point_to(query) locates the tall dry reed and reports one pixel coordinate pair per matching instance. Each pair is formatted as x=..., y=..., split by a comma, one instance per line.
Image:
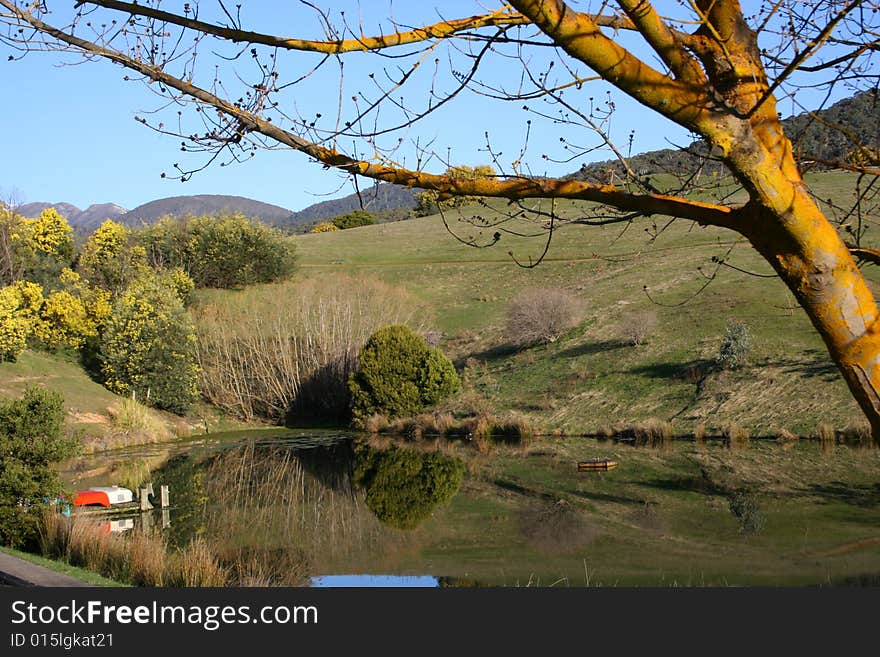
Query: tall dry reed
x=275, y=347
x=136, y=557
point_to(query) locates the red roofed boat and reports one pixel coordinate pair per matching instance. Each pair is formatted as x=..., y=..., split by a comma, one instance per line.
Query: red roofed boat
x=105, y=496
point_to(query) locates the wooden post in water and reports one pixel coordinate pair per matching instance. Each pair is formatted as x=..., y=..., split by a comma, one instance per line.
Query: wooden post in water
x=163, y=495
x=145, y=500
x=150, y=490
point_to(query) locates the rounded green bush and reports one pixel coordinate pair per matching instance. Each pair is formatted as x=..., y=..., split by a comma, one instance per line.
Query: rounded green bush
x=399, y=374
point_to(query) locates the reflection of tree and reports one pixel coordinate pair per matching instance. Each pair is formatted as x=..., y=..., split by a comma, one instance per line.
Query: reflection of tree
x=185, y=480
x=277, y=513
x=403, y=487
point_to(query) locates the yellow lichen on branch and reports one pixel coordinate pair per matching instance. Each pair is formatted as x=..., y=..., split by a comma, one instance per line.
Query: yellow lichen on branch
x=515, y=188
x=441, y=30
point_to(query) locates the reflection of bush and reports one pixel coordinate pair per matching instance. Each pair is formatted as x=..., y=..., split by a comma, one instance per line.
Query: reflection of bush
x=403, y=487
x=744, y=505
x=556, y=528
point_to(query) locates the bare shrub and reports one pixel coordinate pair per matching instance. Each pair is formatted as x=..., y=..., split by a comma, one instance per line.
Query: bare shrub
x=326, y=518
x=541, y=315
x=700, y=433
x=744, y=506
x=291, y=346
x=637, y=326
x=647, y=517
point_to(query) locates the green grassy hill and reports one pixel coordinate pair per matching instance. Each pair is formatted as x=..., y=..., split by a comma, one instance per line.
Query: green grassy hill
x=591, y=378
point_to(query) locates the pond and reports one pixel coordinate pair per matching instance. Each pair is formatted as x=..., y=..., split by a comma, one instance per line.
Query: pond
x=325, y=508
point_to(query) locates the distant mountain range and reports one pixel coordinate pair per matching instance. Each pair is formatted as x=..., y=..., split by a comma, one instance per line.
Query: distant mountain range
x=205, y=204
x=82, y=220
x=813, y=135
x=376, y=198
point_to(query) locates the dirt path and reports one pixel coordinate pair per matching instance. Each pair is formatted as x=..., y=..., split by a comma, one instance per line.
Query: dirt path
x=18, y=572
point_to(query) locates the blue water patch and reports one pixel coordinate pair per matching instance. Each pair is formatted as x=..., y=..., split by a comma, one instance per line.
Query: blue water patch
x=408, y=581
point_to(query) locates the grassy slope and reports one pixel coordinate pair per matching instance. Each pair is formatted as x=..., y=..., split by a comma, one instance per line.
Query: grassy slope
x=86, y=402
x=591, y=378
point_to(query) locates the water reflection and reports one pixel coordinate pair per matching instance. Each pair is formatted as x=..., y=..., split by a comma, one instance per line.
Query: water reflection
x=323, y=509
x=404, y=487
x=405, y=581
x=287, y=509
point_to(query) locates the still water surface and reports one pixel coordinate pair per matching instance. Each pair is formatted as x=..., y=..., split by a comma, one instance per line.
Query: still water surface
x=324, y=508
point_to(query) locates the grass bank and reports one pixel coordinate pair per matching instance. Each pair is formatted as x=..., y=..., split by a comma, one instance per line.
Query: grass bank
x=85, y=575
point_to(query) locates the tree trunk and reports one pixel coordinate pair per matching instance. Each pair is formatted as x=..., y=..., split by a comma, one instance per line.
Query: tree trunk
x=790, y=231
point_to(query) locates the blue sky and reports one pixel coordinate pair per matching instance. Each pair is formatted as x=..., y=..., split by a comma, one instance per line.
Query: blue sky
x=70, y=134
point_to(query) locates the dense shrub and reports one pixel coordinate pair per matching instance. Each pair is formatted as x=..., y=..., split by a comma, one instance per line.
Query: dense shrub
x=31, y=440
x=111, y=258
x=325, y=227
x=354, y=219
x=538, y=316
x=19, y=313
x=227, y=251
x=404, y=487
x=735, y=346
x=148, y=347
x=399, y=375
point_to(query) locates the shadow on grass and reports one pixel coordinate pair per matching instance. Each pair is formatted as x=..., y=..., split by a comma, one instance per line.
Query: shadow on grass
x=492, y=353
x=591, y=348
x=813, y=364
x=514, y=487
x=839, y=492
x=692, y=371
x=690, y=484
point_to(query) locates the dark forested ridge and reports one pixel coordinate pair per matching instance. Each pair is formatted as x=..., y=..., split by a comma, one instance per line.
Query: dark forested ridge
x=374, y=198
x=829, y=135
